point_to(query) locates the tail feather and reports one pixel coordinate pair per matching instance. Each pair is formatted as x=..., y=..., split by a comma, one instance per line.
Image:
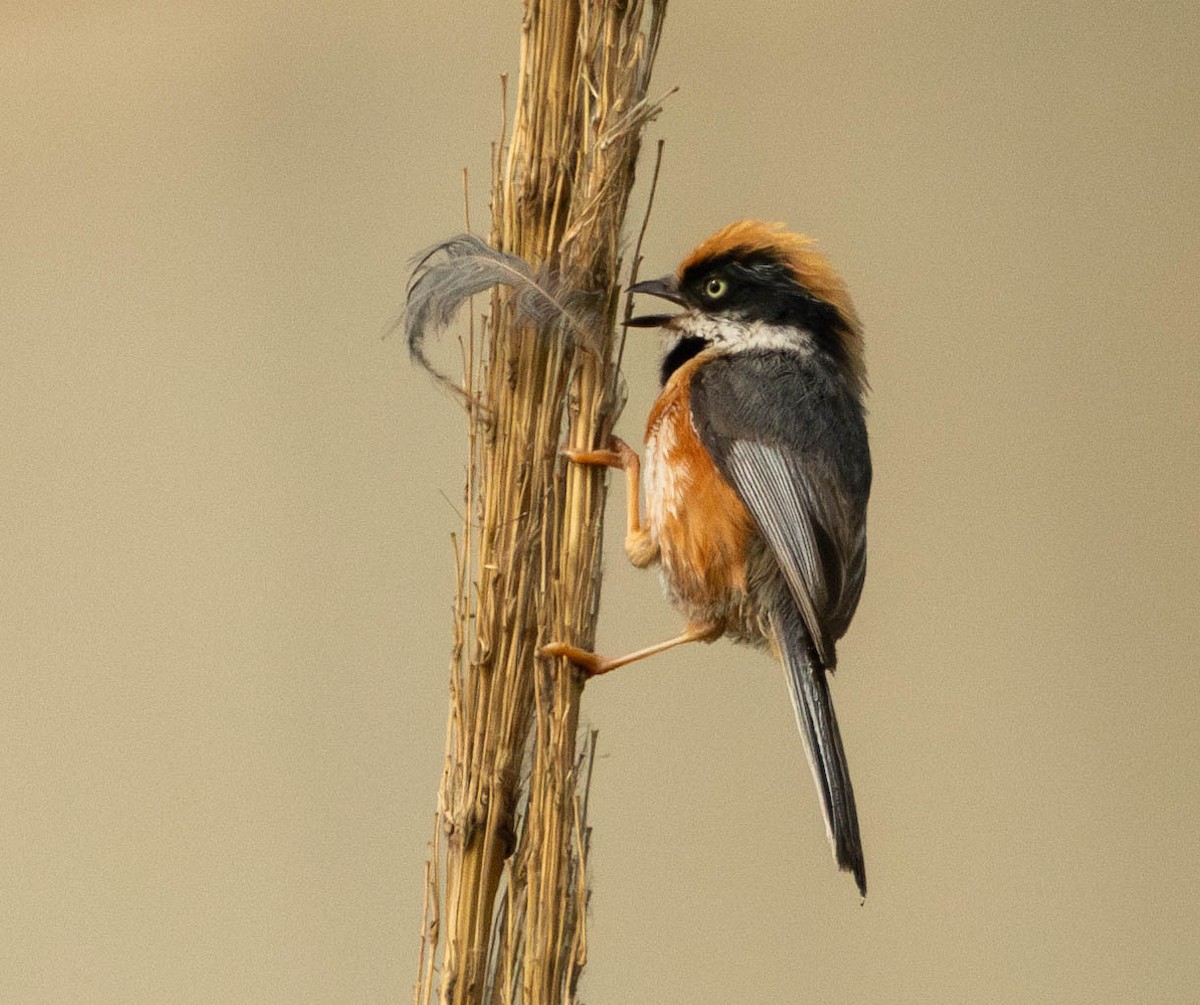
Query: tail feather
x=809, y=688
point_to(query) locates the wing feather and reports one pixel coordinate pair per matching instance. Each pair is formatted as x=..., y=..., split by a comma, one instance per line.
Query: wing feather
x=767, y=484
x=792, y=443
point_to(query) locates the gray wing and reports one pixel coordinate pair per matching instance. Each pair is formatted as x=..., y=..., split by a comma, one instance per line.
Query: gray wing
x=791, y=440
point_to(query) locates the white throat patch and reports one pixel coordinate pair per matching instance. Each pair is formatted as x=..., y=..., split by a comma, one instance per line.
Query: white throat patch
x=733, y=335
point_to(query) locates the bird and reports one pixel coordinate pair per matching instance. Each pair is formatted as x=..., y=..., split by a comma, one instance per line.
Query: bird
x=757, y=476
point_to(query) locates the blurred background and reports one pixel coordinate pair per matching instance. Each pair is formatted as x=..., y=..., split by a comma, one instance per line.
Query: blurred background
x=227, y=501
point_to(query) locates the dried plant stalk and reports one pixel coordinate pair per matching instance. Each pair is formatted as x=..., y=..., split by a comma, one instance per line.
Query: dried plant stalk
x=506, y=908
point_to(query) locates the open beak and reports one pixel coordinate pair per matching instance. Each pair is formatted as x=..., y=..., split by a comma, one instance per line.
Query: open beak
x=668, y=289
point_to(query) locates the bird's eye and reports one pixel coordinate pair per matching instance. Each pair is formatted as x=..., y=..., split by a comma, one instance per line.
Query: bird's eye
x=715, y=287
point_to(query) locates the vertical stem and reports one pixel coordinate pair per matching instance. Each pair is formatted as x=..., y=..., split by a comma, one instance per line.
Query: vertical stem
x=514, y=885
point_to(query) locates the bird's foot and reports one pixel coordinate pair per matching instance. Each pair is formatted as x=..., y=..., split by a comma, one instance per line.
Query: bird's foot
x=618, y=455
x=591, y=664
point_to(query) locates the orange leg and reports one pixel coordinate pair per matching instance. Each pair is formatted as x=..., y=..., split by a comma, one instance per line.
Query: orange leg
x=594, y=665
x=639, y=545
x=641, y=549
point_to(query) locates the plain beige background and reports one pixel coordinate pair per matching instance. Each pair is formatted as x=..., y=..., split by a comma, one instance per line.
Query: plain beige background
x=227, y=503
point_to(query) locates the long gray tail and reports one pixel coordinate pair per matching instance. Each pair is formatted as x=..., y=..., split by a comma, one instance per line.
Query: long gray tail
x=822, y=741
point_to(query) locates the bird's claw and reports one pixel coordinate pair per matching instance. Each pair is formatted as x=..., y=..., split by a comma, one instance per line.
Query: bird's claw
x=589, y=663
x=618, y=455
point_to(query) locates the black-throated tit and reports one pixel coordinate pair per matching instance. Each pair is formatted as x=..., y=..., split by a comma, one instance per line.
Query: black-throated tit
x=757, y=475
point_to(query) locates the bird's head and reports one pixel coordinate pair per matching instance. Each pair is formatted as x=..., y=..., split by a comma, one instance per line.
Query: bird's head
x=755, y=285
